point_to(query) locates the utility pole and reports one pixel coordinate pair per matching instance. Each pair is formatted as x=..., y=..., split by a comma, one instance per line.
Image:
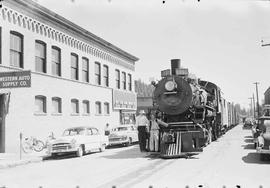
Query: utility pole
x=253, y=105
x=251, y=109
x=258, y=106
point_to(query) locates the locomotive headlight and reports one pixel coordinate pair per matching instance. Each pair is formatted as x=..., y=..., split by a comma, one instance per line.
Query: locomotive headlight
x=170, y=85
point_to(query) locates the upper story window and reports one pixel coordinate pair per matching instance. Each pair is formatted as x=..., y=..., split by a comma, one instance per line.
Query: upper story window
x=40, y=104
x=117, y=78
x=129, y=82
x=124, y=80
x=16, y=49
x=56, y=61
x=85, y=69
x=86, y=107
x=106, y=75
x=97, y=73
x=75, y=106
x=98, y=108
x=74, y=67
x=40, y=56
x=106, y=108
x=56, y=105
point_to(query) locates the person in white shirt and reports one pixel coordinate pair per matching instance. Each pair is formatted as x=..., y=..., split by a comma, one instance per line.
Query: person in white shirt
x=143, y=128
x=155, y=122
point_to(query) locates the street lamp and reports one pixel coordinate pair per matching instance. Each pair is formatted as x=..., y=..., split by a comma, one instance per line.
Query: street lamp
x=258, y=110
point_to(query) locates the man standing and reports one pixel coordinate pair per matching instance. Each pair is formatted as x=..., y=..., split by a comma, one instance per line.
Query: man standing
x=155, y=123
x=143, y=129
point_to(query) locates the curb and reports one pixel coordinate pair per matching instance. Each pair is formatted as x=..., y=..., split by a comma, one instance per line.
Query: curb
x=11, y=164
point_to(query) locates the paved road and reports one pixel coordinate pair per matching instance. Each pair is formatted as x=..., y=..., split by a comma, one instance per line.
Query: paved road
x=230, y=161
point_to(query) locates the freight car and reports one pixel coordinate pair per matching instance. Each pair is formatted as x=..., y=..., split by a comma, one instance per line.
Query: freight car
x=195, y=111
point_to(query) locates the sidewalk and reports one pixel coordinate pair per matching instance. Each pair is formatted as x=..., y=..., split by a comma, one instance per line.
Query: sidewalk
x=8, y=160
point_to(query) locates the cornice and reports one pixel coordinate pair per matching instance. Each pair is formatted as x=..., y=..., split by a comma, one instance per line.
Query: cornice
x=46, y=14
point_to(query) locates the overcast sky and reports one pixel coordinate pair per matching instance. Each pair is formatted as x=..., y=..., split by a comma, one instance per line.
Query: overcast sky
x=218, y=40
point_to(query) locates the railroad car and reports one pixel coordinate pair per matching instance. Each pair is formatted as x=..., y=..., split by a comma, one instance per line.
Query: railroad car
x=195, y=111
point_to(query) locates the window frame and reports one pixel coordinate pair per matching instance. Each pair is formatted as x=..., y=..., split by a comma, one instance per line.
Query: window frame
x=106, y=75
x=85, y=60
x=57, y=63
x=86, y=102
x=99, y=111
x=124, y=80
x=97, y=74
x=129, y=82
x=44, y=104
x=76, y=67
x=106, y=108
x=76, y=102
x=21, y=53
x=43, y=60
x=59, y=100
x=117, y=78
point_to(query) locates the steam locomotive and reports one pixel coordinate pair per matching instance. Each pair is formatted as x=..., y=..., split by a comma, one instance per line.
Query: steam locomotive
x=195, y=111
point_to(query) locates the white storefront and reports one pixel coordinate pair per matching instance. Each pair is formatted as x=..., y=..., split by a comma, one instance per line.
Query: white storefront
x=77, y=78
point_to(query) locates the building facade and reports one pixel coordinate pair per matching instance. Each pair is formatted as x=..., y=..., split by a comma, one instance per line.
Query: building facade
x=76, y=77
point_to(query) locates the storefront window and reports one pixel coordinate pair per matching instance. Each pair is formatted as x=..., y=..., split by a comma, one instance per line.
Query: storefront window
x=127, y=117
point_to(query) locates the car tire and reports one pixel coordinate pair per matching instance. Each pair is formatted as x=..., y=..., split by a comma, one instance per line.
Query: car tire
x=79, y=152
x=255, y=145
x=102, y=147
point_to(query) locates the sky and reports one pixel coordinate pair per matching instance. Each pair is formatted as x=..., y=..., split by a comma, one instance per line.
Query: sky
x=217, y=40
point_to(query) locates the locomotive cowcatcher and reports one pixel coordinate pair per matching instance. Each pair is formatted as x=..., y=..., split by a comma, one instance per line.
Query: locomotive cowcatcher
x=191, y=108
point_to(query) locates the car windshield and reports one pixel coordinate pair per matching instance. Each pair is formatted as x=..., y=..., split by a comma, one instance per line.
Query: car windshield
x=120, y=129
x=74, y=131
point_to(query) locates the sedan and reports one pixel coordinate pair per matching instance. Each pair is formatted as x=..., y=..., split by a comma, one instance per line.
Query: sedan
x=123, y=135
x=78, y=140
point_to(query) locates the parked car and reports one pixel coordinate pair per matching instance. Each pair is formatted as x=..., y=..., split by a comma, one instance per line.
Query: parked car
x=79, y=140
x=123, y=135
x=263, y=140
x=248, y=123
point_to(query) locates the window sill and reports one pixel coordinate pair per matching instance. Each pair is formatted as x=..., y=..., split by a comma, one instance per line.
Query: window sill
x=98, y=114
x=40, y=114
x=106, y=114
x=73, y=114
x=56, y=114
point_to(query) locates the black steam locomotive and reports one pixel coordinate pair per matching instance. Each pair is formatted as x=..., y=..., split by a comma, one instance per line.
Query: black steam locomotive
x=195, y=111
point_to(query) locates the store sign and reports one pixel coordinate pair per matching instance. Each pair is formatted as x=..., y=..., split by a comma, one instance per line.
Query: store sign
x=124, y=100
x=15, y=79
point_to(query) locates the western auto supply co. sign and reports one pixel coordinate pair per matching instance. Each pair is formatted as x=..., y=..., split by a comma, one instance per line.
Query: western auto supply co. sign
x=15, y=79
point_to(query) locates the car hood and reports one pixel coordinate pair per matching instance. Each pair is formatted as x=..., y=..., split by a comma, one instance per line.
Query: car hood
x=66, y=139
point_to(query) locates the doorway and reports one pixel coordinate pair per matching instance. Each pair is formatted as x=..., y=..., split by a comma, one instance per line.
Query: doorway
x=4, y=104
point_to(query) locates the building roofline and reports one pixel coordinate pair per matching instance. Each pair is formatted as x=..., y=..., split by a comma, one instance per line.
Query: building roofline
x=74, y=27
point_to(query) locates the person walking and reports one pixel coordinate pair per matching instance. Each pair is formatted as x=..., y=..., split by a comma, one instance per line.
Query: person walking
x=143, y=127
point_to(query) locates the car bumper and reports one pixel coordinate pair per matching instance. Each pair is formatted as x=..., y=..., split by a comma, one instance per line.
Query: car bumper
x=63, y=150
x=118, y=142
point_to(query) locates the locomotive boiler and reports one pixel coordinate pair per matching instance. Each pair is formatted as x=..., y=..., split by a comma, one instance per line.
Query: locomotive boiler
x=190, y=107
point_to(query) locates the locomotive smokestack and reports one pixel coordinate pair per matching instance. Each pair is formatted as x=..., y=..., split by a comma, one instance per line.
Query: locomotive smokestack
x=175, y=64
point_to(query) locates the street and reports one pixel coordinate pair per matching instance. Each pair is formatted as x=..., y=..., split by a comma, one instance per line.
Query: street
x=229, y=162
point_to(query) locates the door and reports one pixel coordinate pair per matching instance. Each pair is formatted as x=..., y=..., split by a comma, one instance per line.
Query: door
x=4, y=103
